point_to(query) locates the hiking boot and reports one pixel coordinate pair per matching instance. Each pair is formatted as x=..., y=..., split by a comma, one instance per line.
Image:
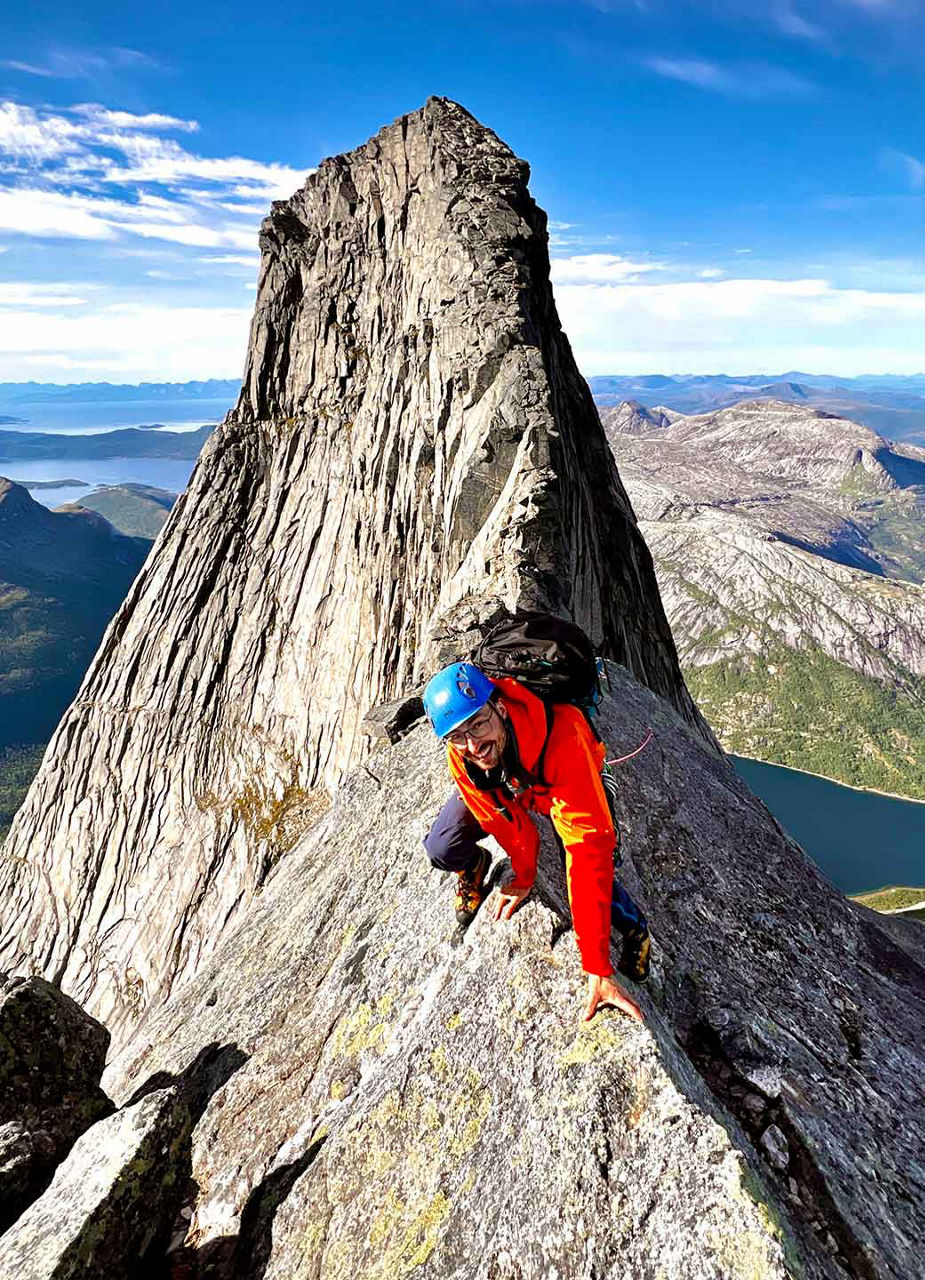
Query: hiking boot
x=470, y=888
x=634, y=959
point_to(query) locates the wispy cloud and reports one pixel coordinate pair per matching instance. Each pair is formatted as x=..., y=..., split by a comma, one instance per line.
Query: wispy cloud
x=740, y=80
x=94, y=173
x=791, y=23
x=82, y=64
x=910, y=166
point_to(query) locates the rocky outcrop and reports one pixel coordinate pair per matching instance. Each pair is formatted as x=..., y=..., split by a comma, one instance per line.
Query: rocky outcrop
x=111, y=1203
x=52, y=1056
x=420, y=1101
x=413, y=447
x=632, y=418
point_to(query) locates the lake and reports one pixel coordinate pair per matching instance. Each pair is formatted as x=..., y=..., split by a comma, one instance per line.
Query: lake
x=861, y=840
x=91, y=417
x=163, y=473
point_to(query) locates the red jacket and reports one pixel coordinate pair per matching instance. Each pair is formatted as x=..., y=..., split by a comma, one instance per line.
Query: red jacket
x=574, y=799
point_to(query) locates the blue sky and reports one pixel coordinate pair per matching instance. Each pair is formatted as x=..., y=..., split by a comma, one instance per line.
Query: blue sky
x=733, y=186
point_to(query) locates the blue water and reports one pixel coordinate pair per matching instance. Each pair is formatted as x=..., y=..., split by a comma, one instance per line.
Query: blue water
x=163, y=473
x=861, y=840
x=92, y=418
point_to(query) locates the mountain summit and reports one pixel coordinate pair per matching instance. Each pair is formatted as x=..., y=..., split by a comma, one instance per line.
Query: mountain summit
x=413, y=451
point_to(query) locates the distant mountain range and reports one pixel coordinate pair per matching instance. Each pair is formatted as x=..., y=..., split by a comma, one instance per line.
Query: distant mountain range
x=101, y=392
x=128, y=442
x=893, y=404
x=789, y=546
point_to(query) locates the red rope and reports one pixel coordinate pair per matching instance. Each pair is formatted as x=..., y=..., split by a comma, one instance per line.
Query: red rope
x=622, y=759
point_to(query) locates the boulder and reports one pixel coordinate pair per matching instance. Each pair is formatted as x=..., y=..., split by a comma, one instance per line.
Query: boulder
x=112, y=1201
x=52, y=1056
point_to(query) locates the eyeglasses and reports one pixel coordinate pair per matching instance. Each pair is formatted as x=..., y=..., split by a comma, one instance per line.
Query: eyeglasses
x=476, y=728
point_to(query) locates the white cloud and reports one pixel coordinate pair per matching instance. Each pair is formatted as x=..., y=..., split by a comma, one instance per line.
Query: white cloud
x=741, y=80
x=31, y=212
x=598, y=268
x=51, y=213
x=26, y=294
x=711, y=273
x=99, y=115
x=25, y=135
x=130, y=342
x=741, y=325
x=239, y=259
x=90, y=145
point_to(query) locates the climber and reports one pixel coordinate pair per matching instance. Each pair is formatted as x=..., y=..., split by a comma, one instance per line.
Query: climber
x=495, y=731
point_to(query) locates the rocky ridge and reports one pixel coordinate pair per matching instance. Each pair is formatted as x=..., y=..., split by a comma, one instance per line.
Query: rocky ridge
x=399, y=1098
x=412, y=452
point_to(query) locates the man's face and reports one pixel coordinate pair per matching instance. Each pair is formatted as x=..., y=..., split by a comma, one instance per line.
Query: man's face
x=482, y=738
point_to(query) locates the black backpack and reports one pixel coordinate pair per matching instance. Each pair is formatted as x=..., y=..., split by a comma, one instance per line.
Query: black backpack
x=551, y=657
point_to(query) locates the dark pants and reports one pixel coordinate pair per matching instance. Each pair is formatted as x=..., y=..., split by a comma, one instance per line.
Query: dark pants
x=451, y=846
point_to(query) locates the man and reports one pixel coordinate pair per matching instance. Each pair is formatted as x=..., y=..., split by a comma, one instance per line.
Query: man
x=504, y=764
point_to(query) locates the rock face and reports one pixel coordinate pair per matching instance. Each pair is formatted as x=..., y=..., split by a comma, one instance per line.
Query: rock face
x=416, y=1101
x=52, y=1056
x=413, y=449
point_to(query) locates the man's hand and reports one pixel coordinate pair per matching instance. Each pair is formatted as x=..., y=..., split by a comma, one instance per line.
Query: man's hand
x=509, y=899
x=605, y=991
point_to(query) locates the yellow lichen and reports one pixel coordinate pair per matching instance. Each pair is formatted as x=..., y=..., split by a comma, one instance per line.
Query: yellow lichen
x=363, y=1030
x=593, y=1039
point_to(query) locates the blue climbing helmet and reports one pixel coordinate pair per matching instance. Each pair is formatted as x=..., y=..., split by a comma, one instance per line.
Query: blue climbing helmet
x=454, y=694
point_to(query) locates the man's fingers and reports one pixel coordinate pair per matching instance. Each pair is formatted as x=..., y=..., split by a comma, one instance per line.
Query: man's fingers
x=590, y=1007
x=510, y=908
x=629, y=1007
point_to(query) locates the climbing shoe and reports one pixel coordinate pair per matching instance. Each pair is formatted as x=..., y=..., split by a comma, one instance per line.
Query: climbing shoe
x=634, y=959
x=470, y=888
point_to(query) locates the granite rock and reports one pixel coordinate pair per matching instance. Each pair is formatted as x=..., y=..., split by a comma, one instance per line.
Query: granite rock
x=420, y=1100
x=52, y=1056
x=110, y=1202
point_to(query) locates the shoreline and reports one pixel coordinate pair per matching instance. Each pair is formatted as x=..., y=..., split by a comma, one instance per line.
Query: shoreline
x=868, y=791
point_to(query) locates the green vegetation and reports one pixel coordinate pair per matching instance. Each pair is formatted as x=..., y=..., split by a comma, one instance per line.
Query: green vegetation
x=891, y=899
x=896, y=534
x=18, y=766
x=808, y=711
x=138, y=510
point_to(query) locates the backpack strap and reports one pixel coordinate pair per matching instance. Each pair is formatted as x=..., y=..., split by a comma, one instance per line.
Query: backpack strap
x=535, y=777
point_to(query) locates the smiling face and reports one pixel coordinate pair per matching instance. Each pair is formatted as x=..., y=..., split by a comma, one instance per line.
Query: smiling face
x=483, y=737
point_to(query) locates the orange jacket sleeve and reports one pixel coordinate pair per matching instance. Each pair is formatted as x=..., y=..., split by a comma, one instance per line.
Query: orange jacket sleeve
x=517, y=835
x=581, y=816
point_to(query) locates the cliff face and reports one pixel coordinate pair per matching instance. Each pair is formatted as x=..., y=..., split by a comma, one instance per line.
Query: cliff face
x=412, y=449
